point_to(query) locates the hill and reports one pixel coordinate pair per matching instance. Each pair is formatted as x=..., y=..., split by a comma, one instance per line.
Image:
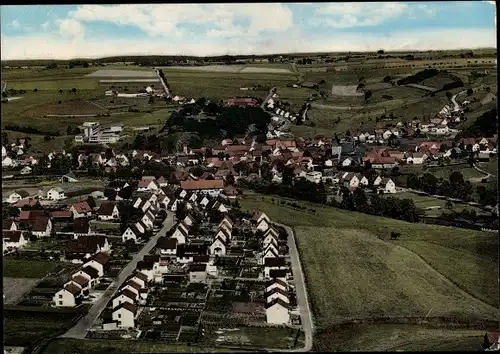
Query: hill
x=354, y=271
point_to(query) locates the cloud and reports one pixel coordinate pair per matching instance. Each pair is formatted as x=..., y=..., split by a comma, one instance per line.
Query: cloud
x=346, y=15
x=165, y=19
x=14, y=24
x=51, y=46
x=70, y=28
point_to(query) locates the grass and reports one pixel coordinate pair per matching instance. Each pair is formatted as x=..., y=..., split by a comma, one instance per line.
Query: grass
x=56, y=85
x=255, y=337
x=46, y=244
x=446, y=171
x=76, y=346
x=401, y=337
x=29, y=269
x=354, y=270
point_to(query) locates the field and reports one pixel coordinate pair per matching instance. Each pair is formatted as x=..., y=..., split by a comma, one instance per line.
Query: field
x=15, y=288
x=76, y=346
x=353, y=270
x=27, y=326
x=67, y=108
x=400, y=338
x=29, y=269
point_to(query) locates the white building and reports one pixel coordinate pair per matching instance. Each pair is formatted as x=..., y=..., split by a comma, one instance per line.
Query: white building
x=125, y=315
x=69, y=296
x=277, y=312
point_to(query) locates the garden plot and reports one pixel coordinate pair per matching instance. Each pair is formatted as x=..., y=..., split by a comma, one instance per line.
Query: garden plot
x=123, y=73
x=213, y=68
x=15, y=288
x=339, y=90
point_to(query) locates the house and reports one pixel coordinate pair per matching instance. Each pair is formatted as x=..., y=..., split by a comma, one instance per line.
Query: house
x=276, y=263
x=124, y=296
x=260, y=216
x=125, y=315
x=347, y=162
x=218, y=247
x=189, y=220
x=26, y=170
x=314, y=176
x=69, y=296
x=13, y=239
x=180, y=234
x=90, y=273
x=148, y=219
x=84, y=247
x=270, y=251
x=270, y=236
x=219, y=207
x=162, y=181
x=277, y=312
x=16, y=196
x=491, y=341
x=81, y=210
x=212, y=187
x=41, y=226
x=9, y=225
x=276, y=284
x=131, y=233
x=167, y=246
x=108, y=211
x=147, y=185
x=81, y=227
x=277, y=293
x=416, y=158
x=99, y=262
x=350, y=181
x=387, y=186
x=8, y=162
x=69, y=177
x=197, y=272
x=263, y=225
x=186, y=253
x=140, y=278
x=56, y=193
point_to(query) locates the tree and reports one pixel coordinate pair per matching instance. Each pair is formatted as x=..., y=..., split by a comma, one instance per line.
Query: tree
x=456, y=178
x=73, y=90
x=288, y=174
x=35, y=90
x=181, y=211
x=380, y=51
x=449, y=204
x=61, y=91
x=470, y=92
x=151, y=100
x=230, y=180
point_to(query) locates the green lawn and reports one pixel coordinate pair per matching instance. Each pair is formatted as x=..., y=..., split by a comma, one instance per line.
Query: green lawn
x=29, y=269
x=51, y=85
x=384, y=338
x=354, y=270
x=84, y=346
x=254, y=337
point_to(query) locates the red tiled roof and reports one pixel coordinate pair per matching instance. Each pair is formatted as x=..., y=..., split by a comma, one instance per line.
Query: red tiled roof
x=202, y=184
x=72, y=288
x=82, y=207
x=62, y=214
x=80, y=280
x=11, y=236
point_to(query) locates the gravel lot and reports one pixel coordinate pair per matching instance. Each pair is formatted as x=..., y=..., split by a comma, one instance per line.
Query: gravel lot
x=15, y=288
x=122, y=73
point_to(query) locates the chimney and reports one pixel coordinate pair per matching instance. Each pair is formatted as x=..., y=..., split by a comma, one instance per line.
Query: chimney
x=185, y=149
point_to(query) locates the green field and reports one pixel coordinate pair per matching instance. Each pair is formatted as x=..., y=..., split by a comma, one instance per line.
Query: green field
x=384, y=338
x=353, y=270
x=29, y=269
x=84, y=346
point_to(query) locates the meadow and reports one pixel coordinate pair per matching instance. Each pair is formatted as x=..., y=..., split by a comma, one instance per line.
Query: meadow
x=354, y=271
x=30, y=269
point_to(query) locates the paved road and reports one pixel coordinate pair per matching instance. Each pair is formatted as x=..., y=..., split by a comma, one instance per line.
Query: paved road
x=456, y=106
x=300, y=288
x=79, y=331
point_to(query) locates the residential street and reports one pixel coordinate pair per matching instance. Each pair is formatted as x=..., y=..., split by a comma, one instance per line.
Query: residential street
x=79, y=331
x=300, y=288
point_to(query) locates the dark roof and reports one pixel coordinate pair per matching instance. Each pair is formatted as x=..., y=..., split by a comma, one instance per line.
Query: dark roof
x=201, y=258
x=7, y=224
x=128, y=293
x=128, y=306
x=106, y=208
x=85, y=244
x=80, y=280
x=197, y=267
x=133, y=284
x=101, y=258
x=91, y=271
x=274, y=262
x=22, y=193
x=72, y=288
x=277, y=301
x=276, y=281
x=11, y=236
x=191, y=250
x=141, y=276
x=81, y=226
x=276, y=290
x=167, y=243
x=39, y=224
x=277, y=273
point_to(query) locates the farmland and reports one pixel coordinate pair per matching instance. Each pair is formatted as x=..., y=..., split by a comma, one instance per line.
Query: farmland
x=354, y=271
x=15, y=288
x=29, y=269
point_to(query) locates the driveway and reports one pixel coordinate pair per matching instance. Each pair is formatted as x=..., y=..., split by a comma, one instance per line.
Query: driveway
x=301, y=290
x=79, y=331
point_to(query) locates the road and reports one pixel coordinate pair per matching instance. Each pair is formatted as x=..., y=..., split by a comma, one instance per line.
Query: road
x=272, y=91
x=301, y=290
x=79, y=331
x=456, y=106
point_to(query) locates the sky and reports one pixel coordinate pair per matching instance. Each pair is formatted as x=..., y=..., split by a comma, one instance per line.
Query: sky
x=93, y=31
